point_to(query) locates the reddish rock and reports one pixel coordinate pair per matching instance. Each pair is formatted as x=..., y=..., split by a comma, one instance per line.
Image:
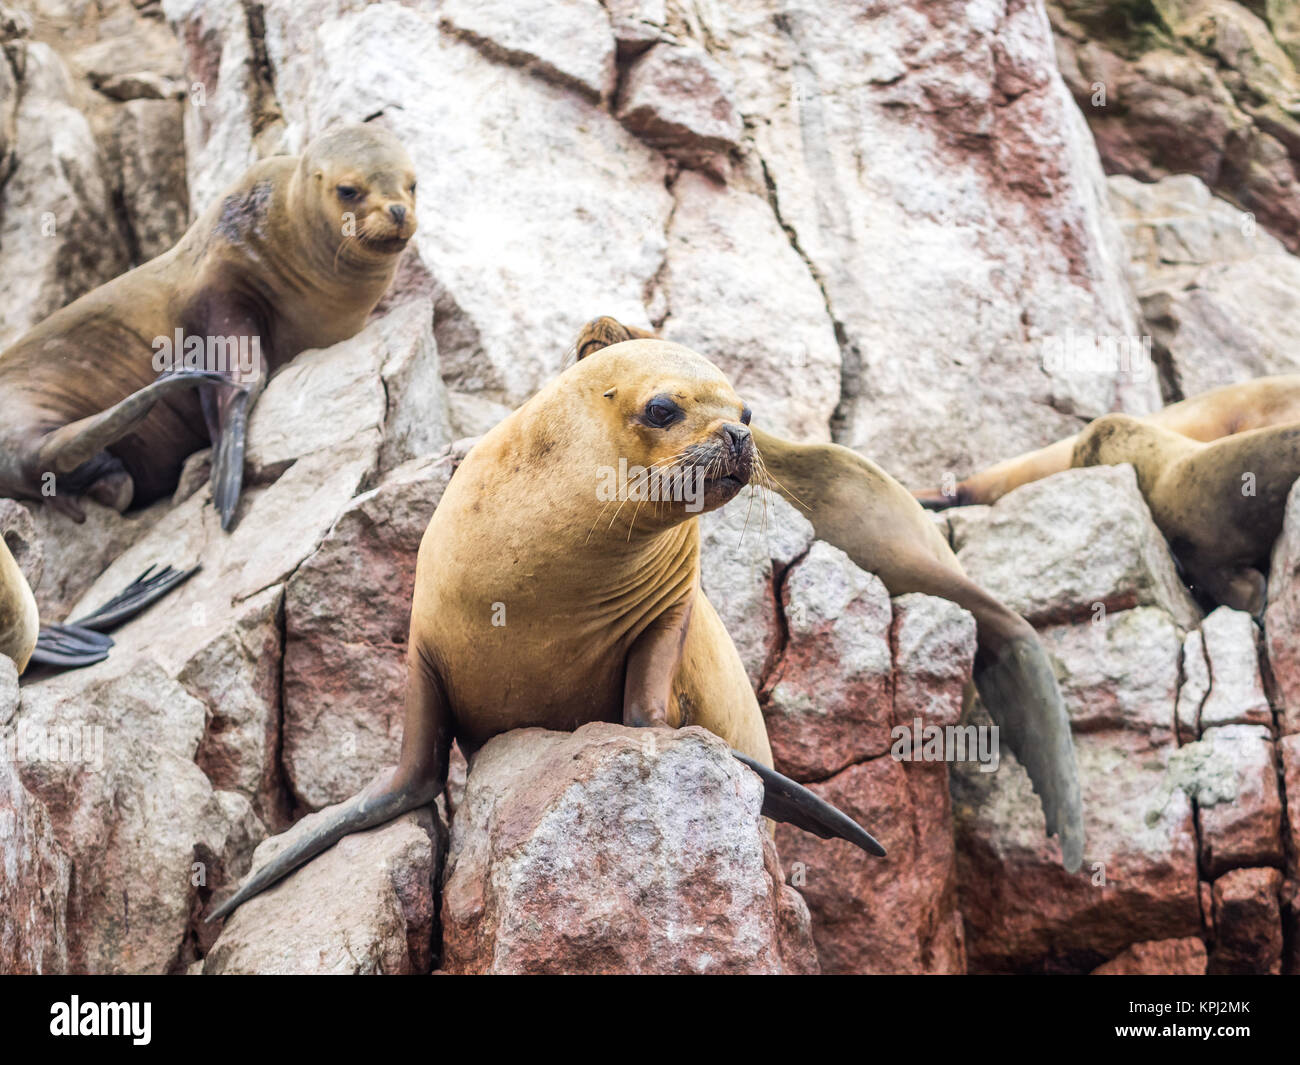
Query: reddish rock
x=1024, y=912
x=1289, y=749
x=1164, y=957
x=1236, y=695
x=1248, y=922
x=612, y=850
x=678, y=99
x=829, y=700
x=347, y=609
x=1282, y=616
x=933, y=645
x=1231, y=774
x=892, y=915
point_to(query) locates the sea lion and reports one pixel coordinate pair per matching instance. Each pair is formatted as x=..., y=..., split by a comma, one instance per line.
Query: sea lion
x=1220, y=505
x=19, y=620
x=859, y=508
x=100, y=398
x=538, y=604
x=1239, y=408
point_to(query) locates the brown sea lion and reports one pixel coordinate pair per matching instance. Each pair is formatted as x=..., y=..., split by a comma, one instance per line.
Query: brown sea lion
x=1220, y=505
x=19, y=620
x=108, y=396
x=1239, y=408
x=538, y=604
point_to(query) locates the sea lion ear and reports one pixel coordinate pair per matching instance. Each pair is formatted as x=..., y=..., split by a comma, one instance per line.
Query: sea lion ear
x=604, y=331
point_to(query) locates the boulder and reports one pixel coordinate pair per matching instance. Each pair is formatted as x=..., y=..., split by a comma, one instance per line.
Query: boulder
x=1248, y=923
x=1282, y=616
x=611, y=850
x=368, y=905
x=1164, y=957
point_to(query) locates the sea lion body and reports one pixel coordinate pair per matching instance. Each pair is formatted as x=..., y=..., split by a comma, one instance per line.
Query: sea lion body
x=1239, y=408
x=531, y=593
x=272, y=263
x=1219, y=504
x=19, y=621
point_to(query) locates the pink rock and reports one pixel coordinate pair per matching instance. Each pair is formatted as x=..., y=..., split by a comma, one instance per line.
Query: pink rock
x=1282, y=616
x=1236, y=695
x=1239, y=810
x=678, y=99
x=896, y=914
x=1024, y=912
x=1289, y=748
x=933, y=650
x=1163, y=957
x=1248, y=922
x=828, y=701
x=611, y=850
x=37, y=872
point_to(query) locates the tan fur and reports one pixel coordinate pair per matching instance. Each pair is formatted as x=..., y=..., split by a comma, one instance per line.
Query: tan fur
x=19, y=623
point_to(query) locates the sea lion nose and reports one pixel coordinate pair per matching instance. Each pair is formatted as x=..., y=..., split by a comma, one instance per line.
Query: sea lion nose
x=398, y=212
x=738, y=437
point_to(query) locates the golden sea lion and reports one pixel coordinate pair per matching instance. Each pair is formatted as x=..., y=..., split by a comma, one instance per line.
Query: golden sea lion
x=19, y=621
x=1239, y=408
x=539, y=604
x=1220, y=505
x=100, y=398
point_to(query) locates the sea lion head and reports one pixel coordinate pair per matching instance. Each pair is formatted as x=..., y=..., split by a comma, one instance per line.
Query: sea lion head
x=358, y=188
x=679, y=432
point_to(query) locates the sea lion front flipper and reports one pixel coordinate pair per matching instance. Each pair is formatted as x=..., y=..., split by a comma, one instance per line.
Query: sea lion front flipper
x=67, y=447
x=788, y=801
x=228, y=454
x=70, y=647
x=1020, y=692
x=145, y=590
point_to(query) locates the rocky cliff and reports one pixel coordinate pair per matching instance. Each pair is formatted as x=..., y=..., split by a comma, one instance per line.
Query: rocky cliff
x=876, y=218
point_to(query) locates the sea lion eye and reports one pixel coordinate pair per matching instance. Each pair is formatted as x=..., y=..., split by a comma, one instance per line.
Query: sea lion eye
x=411, y=190
x=745, y=414
x=348, y=192
x=661, y=412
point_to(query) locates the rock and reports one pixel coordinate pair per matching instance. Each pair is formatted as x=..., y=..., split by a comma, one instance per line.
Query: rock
x=679, y=99
x=896, y=915
x=933, y=644
x=1236, y=695
x=1289, y=749
x=745, y=551
x=728, y=263
x=1165, y=957
x=1197, y=88
x=1195, y=687
x=58, y=238
x=37, y=872
x=567, y=41
x=1230, y=774
x=1249, y=923
x=149, y=141
x=947, y=197
x=365, y=906
x=637, y=23
x=346, y=616
x=112, y=759
x=610, y=850
x=1119, y=671
x=828, y=701
x=1064, y=547
x=1023, y=912
x=1216, y=290
x=1282, y=616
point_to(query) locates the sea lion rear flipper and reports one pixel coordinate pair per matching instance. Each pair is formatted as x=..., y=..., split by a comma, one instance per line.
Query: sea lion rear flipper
x=145, y=590
x=228, y=453
x=70, y=647
x=1019, y=691
x=67, y=447
x=789, y=801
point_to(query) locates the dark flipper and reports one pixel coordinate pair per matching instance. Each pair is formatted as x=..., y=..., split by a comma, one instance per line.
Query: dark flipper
x=788, y=801
x=145, y=590
x=1019, y=690
x=70, y=647
x=66, y=448
x=228, y=454
x=312, y=836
